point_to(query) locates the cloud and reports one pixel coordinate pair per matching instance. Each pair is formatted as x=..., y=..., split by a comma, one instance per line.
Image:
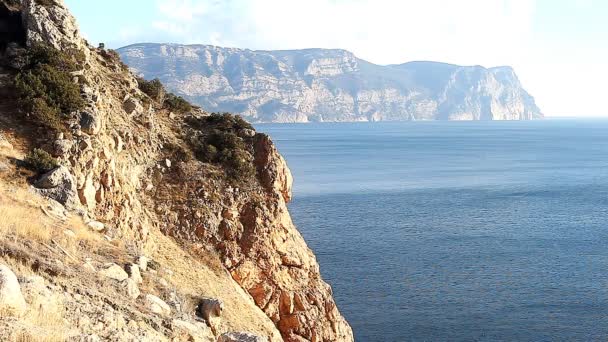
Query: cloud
x=385, y=31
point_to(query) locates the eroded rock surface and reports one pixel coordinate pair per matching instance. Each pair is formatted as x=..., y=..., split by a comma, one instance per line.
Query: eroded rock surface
x=331, y=85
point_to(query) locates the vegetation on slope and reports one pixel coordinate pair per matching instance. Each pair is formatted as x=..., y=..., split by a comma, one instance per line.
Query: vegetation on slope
x=45, y=86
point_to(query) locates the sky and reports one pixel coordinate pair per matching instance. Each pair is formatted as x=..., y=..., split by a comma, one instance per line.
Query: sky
x=559, y=48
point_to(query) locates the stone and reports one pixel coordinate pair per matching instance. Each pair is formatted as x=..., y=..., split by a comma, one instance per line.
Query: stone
x=210, y=308
x=4, y=143
x=247, y=133
x=4, y=167
x=131, y=106
x=52, y=25
x=114, y=271
x=90, y=123
x=134, y=274
x=167, y=163
x=88, y=267
x=241, y=337
x=11, y=298
x=157, y=305
x=142, y=262
x=59, y=185
x=132, y=288
x=96, y=226
x=61, y=147
x=192, y=332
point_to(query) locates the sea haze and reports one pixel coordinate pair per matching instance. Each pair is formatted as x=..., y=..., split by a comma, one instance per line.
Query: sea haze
x=457, y=230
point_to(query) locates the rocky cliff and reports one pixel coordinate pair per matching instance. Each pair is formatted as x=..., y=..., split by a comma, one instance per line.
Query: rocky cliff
x=330, y=85
x=147, y=179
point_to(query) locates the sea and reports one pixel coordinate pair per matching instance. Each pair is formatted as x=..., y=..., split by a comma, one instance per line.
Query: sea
x=457, y=231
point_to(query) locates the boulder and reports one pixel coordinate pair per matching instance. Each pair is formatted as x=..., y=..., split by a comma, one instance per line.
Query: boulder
x=51, y=24
x=142, y=262
x=4, y=143
x=96, y=226
x=11, y=298
x=157, y=305
x=114, y=271
x=62, y=147
x=90, y=123
x=134, y=273
x=193, y=332
x=209, y=308
x=59, y=185
x=132, y=288
x=131, y=106
x=241, y=337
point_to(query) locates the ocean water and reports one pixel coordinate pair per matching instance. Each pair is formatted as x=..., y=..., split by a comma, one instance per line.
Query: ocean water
x=457, y=231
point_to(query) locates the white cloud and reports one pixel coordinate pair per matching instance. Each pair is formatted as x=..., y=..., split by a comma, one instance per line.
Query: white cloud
x=485, y=32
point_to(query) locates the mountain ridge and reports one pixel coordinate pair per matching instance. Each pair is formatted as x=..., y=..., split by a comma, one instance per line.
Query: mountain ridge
x=330, y=85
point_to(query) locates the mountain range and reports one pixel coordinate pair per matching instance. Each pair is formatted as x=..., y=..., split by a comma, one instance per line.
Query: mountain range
x=320, y=85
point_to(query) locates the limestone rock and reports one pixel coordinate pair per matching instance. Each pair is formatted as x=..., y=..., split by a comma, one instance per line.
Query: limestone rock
x=90, y=122
x=193, y=332
x=134, y=274
x=51, y=24
x=272, y=168
x=62, y=147
x=319, y=85
x=241, y=337
x=132, y=288
x=59, y=185
x=4, y=143
x=142, y=262
x=114, y=271
x=11, y=298
x=131, y=106
x=157, y=305
x=96, y=226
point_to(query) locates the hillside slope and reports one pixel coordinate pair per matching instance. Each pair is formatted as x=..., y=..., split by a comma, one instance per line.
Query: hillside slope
x=330, y=85
x=138, y=216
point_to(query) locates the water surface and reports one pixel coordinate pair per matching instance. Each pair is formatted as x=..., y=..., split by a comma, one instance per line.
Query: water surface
x=459, y=231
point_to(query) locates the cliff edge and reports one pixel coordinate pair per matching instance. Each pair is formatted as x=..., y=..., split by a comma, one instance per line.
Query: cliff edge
x=131, y=173
x=319, y=85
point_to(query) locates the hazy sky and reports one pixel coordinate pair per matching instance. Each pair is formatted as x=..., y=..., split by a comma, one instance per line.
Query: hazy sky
x=559, y=48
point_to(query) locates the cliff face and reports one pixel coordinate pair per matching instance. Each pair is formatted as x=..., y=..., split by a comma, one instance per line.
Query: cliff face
x=330, y=85
x=127, y=169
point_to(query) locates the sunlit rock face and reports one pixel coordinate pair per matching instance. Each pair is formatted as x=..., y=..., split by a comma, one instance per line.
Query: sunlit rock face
x=330, y=85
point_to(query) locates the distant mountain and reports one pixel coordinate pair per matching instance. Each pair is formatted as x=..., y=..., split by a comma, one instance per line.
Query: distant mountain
x=330, y=85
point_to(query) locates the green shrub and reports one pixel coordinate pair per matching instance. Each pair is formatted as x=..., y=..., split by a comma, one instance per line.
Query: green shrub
x=46, y=2
x=45, y=87
x=177, y=104
x=40, y=161
x=154, y=89
x=218, y=140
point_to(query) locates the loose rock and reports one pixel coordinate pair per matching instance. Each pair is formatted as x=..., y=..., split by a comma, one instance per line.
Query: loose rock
x=11, y=298
x=157, y=305
x=115, y=272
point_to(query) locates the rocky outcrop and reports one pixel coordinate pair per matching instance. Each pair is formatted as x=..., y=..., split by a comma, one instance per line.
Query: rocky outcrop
x=59, y=184
x=11, y=299
x=330, y=85
x=51, y=24
x=128, y=163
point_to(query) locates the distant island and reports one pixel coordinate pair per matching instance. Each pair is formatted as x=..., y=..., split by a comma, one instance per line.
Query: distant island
x=318, y=85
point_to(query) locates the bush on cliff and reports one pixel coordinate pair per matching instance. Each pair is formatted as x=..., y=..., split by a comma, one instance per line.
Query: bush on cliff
x=157, y=92
x=45, y=87
x=40, y=161
x=177, y=104
x=220, y=140
x=154, y=89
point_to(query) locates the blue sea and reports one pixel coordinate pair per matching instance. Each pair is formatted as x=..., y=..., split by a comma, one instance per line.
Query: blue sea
x=457, y=231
